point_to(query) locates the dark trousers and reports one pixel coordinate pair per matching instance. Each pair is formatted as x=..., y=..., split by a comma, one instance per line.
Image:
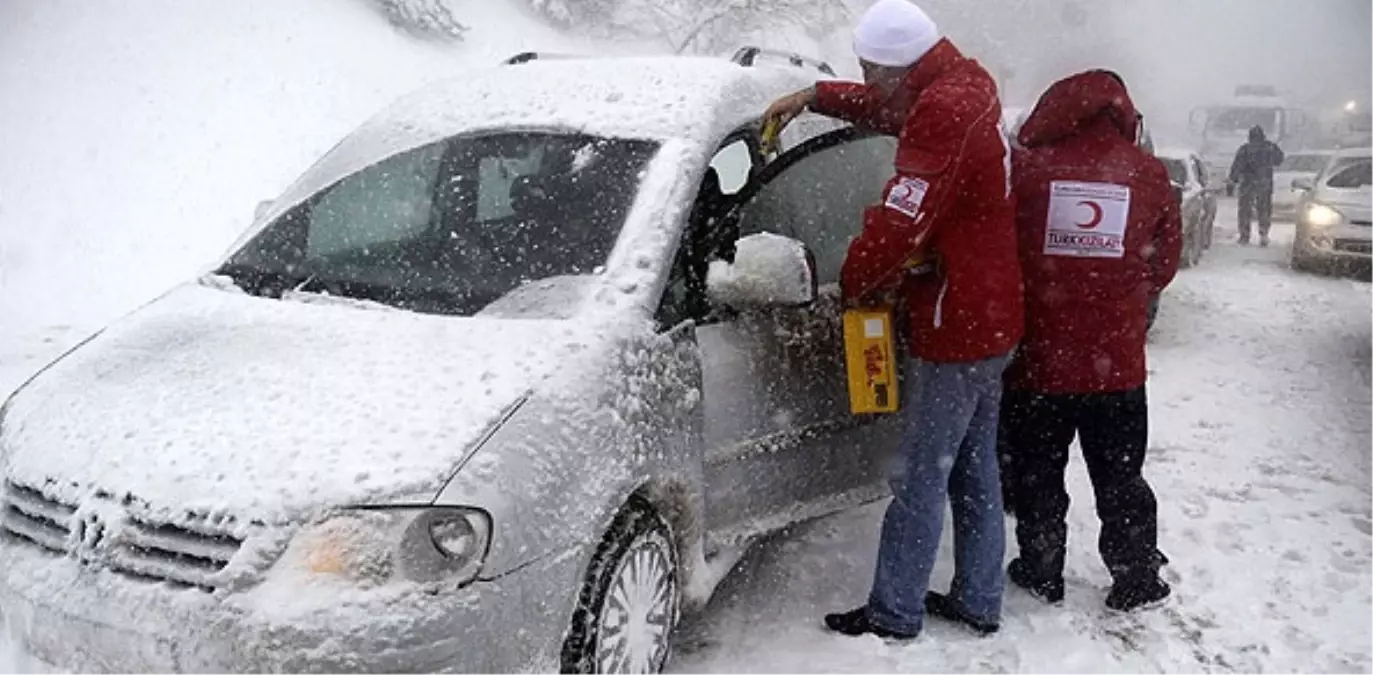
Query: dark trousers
x=1255, y=198
x=1113, y=429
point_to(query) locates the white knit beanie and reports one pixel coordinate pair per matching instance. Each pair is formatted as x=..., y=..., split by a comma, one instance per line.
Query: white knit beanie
x=894, y=33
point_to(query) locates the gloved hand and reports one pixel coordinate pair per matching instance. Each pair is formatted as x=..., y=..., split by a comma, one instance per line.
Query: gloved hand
x=1229, y=189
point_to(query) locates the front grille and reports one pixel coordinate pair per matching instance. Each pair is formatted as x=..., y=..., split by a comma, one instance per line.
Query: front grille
x=174, y=553
x=1354, y=246
x=1362, y=223
x=28, y=514
x=190, y=553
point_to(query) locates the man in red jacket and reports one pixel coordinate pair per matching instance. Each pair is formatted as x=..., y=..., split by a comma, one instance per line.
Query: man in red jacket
x=1100, y=232
x=948, y=203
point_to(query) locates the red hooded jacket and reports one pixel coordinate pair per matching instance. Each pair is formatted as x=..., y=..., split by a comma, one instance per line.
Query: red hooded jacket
x=949, y=201
x=1100, y=232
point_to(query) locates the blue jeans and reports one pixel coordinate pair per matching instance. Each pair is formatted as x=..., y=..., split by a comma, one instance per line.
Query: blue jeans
x=950, y=457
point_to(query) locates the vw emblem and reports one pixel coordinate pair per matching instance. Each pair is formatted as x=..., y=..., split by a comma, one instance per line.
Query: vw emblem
x=91, y=532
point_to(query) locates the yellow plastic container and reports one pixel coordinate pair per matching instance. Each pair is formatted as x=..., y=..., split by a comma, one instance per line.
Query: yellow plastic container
x=869, y=354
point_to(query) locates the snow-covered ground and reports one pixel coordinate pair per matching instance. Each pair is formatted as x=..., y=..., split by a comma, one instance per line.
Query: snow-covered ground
x=138, y=138
x=1260, y=455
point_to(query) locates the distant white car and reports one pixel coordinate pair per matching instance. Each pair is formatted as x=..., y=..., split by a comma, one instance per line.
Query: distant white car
x=502, y=383
x=1334, y=214
x=1297, y=164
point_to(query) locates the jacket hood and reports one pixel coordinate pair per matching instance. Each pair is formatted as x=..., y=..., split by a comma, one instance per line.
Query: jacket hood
x=1095, y=99
x=1256, y=134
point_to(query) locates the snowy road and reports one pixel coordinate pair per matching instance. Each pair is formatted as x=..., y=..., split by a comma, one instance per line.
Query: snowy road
x=1260, y=453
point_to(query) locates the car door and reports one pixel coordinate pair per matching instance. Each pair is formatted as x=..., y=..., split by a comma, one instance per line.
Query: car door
x=789, y=448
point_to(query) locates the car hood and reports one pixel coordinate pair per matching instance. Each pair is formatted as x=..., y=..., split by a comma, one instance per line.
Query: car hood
x=1354, y=204
x=214, y=402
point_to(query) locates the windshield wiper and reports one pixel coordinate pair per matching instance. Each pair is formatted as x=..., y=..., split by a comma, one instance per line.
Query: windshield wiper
x=257, y=281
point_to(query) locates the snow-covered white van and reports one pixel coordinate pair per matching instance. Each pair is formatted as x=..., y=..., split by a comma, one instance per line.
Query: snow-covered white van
x=469, y=395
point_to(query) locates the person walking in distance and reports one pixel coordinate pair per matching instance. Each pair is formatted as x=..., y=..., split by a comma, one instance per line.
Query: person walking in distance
x=1099, y=232
x=1252, y=172
x=948, y=201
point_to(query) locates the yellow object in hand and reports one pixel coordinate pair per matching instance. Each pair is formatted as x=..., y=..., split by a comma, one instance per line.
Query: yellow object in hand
x=768, y=139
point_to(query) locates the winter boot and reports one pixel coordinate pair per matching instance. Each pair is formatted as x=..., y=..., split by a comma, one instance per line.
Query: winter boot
x=1244, y=240
x=1263, y=240
x=857, y=622
x=1137, y=591
x=1049, y=590
x=942, y=606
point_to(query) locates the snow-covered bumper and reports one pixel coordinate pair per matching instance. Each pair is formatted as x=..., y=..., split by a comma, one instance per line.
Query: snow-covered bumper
x=1342, y=242
x=78, y=617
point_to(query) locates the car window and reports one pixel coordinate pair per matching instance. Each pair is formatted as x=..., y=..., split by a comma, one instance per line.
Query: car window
x=497, y=174
x=728, y=172
x=733, y=166
x=819, y=198
x=1243, y=118
x=389, y=204
x=455, y=226
x=1356, y=174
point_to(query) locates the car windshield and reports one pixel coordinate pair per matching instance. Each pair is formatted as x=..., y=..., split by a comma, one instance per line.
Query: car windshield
x=1304, y=163
x=1234, y=120
x=453, y=226
x=1351, y=175
x=1177, y=170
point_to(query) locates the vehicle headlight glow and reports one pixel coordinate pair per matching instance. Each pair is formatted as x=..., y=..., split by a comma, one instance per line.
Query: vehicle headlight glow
x=1320, y=215
x=375, y=545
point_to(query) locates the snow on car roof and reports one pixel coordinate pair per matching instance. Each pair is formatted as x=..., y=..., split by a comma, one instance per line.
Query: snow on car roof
x=1354, y=152
x=692, y=98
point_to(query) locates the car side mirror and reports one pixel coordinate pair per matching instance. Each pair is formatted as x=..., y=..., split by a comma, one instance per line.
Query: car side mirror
x=1303, y=183
x=769, y=270
x=262, y=208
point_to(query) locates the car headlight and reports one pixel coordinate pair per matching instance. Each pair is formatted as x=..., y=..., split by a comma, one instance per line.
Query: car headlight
x=1320, y=215
x=376, y=545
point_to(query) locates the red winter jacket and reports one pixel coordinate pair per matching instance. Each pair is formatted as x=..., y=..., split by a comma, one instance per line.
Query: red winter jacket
x=948, y=201
x=1100, y=231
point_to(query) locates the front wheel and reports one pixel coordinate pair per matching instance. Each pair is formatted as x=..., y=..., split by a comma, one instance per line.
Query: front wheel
x=630, y=600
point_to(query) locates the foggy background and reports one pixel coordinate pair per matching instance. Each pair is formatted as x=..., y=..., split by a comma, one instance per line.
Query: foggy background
x=1174, y=54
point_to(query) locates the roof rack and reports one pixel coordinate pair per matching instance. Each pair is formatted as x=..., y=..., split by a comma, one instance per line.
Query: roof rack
x=526, y=57
x=746, y=56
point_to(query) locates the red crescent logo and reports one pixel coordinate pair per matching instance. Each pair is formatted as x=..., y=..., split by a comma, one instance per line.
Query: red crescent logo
x=1096, y=215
